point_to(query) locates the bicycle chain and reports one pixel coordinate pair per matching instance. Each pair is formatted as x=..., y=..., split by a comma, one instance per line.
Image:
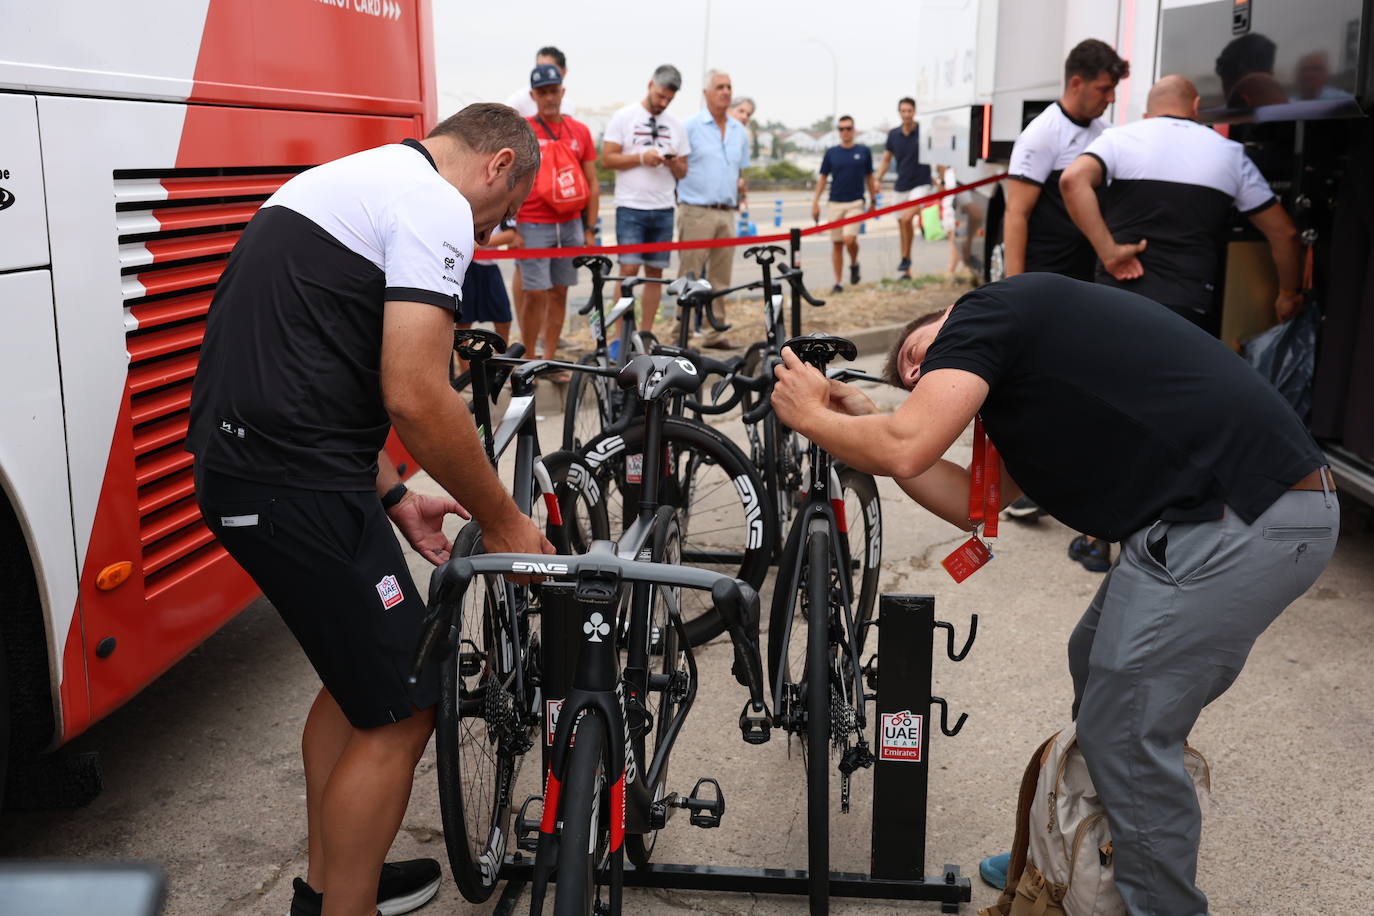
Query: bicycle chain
x=842, y=720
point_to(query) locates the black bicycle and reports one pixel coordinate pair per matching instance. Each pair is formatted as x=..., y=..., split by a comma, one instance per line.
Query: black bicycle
x=633, y=684
x=489, y=705
x=816, y=633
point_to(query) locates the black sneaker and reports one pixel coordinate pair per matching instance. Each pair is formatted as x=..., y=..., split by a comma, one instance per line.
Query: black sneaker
x=1094, y=554
x=904, y=266
x=853, y=274
x=1024, y=509
x=837, y=288
x=404, y=886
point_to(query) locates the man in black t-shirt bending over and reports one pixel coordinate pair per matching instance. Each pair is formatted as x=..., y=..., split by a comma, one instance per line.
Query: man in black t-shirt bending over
x=1182, y=452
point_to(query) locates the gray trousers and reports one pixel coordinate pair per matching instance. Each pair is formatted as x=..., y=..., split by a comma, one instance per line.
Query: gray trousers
x=1166, y=634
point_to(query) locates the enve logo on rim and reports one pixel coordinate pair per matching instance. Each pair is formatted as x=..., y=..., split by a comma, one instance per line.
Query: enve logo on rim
x=6, y=198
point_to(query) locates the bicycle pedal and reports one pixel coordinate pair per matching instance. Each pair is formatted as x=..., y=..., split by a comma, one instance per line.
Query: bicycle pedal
x=527, y=828
x=658, y=811
x=756, y=726
x=706, y=812
x=856, y=757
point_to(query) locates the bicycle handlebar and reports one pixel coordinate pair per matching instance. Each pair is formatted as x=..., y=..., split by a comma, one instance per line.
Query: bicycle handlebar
x=599, y=574
x=794, y=276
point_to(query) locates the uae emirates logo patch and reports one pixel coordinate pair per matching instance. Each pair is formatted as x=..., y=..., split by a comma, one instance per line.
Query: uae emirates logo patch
x=389, y=590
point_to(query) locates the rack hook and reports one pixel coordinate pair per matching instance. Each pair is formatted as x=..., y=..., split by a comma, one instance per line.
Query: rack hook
x=972, y=635
x=944, y=717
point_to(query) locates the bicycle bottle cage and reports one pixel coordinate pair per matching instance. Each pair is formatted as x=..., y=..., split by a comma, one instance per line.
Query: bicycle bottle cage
x=655, y=376
x=819, y=349
x=477, y=344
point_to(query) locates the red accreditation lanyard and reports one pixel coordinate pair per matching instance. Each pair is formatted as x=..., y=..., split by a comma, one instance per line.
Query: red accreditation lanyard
x=984, y=506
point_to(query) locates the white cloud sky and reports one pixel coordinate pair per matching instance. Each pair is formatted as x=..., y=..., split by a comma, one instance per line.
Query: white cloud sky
x=484, y=52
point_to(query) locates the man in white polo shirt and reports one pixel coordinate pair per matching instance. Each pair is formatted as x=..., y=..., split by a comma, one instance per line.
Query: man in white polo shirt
x=647, y=149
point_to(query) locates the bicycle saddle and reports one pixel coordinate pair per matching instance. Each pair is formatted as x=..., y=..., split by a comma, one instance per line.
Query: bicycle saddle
x=819, y=349
x=689, y=283
x=477, y=344
x=655, y=376
x=764, y=254
x=596, y=263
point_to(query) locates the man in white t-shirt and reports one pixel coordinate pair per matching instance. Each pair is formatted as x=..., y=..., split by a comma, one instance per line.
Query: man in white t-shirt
x=520, y=99
x=647, y=149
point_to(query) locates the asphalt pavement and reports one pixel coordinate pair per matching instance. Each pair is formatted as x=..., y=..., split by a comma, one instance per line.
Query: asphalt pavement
x=203, y=775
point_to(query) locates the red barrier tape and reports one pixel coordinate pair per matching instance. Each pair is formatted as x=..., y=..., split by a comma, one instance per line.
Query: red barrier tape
x=499, y=254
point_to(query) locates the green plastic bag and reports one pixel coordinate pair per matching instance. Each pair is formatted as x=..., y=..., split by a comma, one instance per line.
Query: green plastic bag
x=930, y=224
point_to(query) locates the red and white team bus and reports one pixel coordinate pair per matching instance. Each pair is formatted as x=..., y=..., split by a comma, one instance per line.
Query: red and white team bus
x=136, y=140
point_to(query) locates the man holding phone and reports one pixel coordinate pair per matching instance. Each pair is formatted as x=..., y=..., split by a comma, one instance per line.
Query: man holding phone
x=647, y=149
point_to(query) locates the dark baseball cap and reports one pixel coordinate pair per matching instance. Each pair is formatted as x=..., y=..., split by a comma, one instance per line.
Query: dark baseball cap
x=545, y=75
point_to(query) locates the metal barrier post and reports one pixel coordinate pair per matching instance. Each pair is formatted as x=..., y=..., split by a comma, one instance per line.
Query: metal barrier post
x=902, y=720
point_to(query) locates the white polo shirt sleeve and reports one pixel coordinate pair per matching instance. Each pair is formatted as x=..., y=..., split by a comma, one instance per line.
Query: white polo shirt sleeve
x=1253, y=193
x=1033, y=154
x=1103, y=149
x=428, y=247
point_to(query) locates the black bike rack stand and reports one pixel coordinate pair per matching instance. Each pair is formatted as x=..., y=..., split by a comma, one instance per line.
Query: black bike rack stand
x=906, y=629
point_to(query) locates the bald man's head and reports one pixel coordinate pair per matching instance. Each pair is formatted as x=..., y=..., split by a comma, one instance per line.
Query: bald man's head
x=1172, y=95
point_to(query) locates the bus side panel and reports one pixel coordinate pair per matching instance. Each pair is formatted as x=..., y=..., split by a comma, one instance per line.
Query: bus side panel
x=31, y=469
x=124, y=211
x=324, y=55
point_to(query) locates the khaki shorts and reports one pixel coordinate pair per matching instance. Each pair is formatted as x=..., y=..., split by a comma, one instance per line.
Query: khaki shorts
x=706, y=223
x=841, y=210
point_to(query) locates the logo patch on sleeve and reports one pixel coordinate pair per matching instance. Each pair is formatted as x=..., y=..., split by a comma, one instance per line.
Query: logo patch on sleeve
x=389, y=590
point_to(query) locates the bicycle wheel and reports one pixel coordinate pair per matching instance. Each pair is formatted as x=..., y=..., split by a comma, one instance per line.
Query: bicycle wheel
x=587, y=410
x=818, y=725
x=864, y=517
x=667, y=677
x=479, y=734
x=580, y=504
x=727, y=521
x=584, y=843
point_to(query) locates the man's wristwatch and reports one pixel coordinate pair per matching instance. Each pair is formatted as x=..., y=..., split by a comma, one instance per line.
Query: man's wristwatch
x=392, y=497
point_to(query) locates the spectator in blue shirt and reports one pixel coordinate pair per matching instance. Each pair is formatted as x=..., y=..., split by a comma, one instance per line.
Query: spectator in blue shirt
x=913, y=176
x=848, y=166
x=710, y=192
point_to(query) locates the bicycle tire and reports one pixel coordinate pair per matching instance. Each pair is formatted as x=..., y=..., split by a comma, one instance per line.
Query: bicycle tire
x=864, y=515
x=584, y=803
x=587, y=407
x=665, y=647
x=475, y=776
x=818, y=555
x=580, y=504
x=715, y=485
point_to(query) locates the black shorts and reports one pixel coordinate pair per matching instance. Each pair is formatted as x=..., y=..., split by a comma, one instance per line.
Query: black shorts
x=331, y=565
x=484, y=295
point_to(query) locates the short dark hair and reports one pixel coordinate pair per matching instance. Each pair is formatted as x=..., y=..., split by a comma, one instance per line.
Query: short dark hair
x=668, y=77
x=842, y=118
x=488, y=127
x=906, y=100
x=892, y=373
x=557, y=55
x=1090, y=57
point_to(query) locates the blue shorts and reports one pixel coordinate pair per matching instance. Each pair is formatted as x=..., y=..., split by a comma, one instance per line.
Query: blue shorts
x=635, y=227
x=484, y=295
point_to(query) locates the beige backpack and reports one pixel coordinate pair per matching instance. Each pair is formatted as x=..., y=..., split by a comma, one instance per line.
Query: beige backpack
x=1061, y=860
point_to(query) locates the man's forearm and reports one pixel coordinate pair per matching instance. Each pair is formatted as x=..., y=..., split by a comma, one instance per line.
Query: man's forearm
x=387, y=475
x=868, y=443
x=1086, y=213
x=443, y=438
x=943, y=491
x=1014, y=231
x=1286, y=249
